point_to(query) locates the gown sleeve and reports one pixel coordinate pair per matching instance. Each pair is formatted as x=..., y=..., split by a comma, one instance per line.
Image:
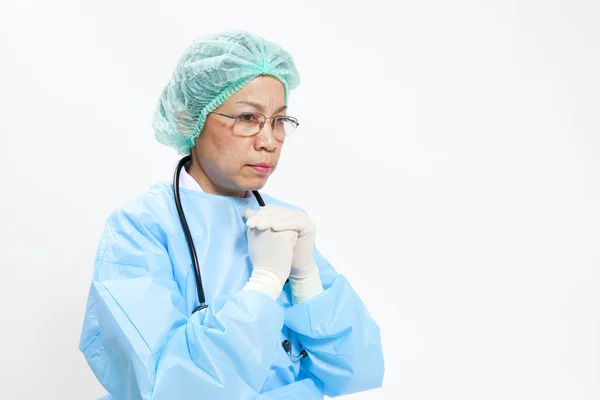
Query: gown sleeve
x=303, y=389
x=341, y=338
x=140, y=341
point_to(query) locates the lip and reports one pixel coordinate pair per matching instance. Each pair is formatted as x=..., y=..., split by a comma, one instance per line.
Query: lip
x=262, y=165
x=262, y=168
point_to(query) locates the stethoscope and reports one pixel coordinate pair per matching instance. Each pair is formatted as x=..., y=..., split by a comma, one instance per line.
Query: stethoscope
x=287, y=346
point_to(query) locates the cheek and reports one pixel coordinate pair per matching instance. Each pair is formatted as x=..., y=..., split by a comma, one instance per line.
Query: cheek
x=279, y=148
x=232, y=151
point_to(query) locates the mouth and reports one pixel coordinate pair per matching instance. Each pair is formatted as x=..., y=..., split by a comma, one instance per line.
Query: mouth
x=262, y=165
x=262, y=168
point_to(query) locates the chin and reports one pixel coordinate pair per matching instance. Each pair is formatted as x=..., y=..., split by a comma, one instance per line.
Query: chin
x=253, y=184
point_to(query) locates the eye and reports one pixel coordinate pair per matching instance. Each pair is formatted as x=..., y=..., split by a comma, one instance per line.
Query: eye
x=247, y=117
x=286, y=121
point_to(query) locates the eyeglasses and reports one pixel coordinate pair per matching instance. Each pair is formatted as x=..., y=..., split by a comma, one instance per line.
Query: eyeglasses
x=250, y=123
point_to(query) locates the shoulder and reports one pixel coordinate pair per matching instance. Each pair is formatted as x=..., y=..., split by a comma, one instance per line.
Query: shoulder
x=157, y=196
x=147, y=209
x=135, y=234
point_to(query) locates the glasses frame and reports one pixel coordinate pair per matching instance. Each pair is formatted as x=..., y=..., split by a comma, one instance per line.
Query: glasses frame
x=264, y=120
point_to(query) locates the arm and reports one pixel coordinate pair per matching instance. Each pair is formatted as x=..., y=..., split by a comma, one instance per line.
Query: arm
x=140, y=341
x=332, y=323
x=342, y=340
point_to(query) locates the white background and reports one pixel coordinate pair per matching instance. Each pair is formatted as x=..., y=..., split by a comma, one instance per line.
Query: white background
x=449, y=154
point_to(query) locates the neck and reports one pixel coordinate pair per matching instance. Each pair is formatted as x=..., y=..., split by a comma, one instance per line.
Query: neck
x=196, y=171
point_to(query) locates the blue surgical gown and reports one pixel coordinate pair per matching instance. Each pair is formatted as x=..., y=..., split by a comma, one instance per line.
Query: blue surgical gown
x=142, y=341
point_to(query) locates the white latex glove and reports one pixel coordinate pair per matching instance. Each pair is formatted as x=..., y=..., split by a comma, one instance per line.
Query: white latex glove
x=305, y=281
x=271, y=255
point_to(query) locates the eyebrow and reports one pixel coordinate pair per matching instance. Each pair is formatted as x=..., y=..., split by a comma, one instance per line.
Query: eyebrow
x=260, y=107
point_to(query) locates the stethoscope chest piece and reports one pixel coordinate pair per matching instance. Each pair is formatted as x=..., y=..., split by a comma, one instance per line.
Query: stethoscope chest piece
x=287, y=346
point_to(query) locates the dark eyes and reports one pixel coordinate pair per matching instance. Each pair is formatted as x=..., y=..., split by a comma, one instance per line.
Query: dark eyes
x=248, y=117
x=254, y=118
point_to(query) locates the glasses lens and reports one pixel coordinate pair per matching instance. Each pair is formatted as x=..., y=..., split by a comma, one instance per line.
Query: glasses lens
x=248, y=124
x=285, y=126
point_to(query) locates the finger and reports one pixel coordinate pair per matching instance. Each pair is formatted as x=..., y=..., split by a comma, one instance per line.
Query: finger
x=268, y=221
x=270, y=210
x=251, y=218
x=267, y=216
x=294, y=220
x=288, y=224
x=252, y=222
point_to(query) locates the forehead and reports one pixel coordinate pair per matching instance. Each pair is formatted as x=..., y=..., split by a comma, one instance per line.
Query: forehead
x=265, y=90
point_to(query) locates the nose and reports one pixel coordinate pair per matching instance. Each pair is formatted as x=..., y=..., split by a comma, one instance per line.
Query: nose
x=265, y=140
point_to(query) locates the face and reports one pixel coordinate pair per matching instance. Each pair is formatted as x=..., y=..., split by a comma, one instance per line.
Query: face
x=226, y=163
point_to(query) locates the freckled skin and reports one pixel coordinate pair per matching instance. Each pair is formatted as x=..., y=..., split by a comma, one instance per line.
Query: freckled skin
x=221, y=159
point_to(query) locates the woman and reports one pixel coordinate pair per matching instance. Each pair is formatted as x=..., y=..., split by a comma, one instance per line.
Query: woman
x=146, y=334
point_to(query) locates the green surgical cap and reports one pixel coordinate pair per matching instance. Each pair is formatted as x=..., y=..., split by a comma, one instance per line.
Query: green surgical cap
x=210, y=71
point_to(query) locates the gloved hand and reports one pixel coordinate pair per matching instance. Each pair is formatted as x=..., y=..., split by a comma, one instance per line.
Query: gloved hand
x=305, y=281
x=271, y=255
